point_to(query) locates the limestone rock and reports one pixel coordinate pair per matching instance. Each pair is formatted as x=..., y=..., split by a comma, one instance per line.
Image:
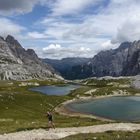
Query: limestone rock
x=16, y=63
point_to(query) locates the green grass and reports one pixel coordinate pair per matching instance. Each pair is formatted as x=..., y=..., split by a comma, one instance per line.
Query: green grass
x=106, y=87
x=21, y=109
x=104, y=82
x=110, y=135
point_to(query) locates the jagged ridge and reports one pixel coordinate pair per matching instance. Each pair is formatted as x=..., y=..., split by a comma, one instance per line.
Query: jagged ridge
x=16, y=63
x=123, y=61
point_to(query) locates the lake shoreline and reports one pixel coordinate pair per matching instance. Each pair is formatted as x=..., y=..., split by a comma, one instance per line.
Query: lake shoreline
x=63, y=110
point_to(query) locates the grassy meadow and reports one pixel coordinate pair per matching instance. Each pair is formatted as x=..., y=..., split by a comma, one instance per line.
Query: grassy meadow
x=21, y=109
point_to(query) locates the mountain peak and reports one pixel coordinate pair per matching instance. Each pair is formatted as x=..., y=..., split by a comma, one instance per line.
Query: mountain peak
x=11, y=40
x=125, y=45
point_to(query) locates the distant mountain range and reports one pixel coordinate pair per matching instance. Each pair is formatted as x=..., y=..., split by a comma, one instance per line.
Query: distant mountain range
x=16, y=63
x=65, y=65
x=123, y=61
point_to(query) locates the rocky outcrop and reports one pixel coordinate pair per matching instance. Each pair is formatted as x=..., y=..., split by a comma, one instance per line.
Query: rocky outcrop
x=16, y=63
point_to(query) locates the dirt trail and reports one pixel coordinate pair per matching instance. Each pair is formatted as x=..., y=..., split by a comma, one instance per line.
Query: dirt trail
x=58, y=133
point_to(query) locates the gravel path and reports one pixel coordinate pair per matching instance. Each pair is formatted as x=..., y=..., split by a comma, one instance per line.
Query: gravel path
x=58, y=133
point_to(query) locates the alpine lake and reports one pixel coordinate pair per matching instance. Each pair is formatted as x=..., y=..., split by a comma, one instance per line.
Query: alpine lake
x=113, y=108
x=55, y=90
x=122, y=108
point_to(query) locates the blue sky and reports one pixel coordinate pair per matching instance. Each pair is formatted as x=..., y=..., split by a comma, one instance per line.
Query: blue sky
x=76, y=28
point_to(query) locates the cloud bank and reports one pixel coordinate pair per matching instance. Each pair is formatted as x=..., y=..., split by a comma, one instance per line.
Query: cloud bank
x=56, y=51
x=72, y=28
x=16, y=6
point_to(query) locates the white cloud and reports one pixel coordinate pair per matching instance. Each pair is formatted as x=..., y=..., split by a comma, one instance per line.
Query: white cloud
x=52, y=47
x=117, y=22
x=8, y=27
x=56, y=51
x=62, y=7
x=129, y=31
x=108, y=23
x=109, y=45
x=123, y=1
x=36, y=35
x=112, y=25
x=58, y=7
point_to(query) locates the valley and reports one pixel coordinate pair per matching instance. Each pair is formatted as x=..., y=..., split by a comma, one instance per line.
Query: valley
x=22, y=109
x=30, y=86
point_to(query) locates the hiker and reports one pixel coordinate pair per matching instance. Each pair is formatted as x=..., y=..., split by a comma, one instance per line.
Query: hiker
x=50, y=119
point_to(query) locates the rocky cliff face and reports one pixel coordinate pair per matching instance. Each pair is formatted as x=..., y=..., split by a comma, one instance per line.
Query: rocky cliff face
x=123, y=61
x=16, y=63
x=132, y=64
x=110, y=62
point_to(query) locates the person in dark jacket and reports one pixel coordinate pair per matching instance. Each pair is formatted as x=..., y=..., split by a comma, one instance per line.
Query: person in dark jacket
x=50, y=119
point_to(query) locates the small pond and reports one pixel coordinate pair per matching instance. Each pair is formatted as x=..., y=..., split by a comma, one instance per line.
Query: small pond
x=118, y=108
x=55, y=90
